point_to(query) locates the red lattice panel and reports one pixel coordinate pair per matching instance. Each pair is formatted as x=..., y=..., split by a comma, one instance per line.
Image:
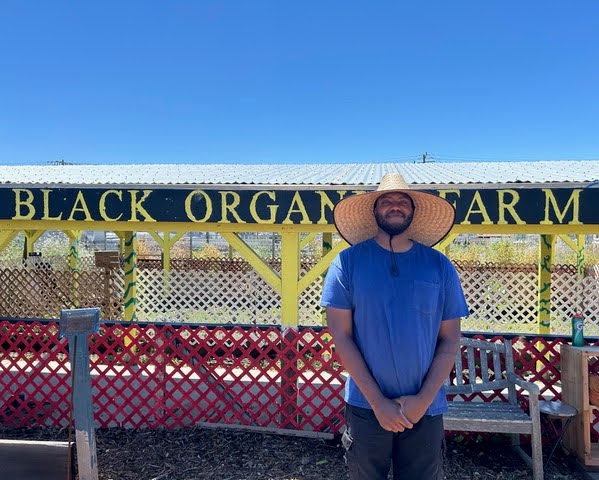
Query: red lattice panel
x=35, y=375
x=176, y=376
x=156, y=375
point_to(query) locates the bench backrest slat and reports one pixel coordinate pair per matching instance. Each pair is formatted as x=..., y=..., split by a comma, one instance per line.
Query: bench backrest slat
x=484, y=367
x=459, y=369
x=477, y=387
x=497, y=362
x=478, y=375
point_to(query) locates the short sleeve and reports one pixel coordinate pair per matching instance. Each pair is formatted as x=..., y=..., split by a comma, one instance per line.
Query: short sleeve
x=336, y=291
x=455, y=303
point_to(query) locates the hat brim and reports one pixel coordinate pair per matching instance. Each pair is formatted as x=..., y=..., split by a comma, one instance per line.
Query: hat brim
x=433, y=219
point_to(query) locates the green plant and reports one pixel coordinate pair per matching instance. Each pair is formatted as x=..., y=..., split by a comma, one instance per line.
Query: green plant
x=207, y=252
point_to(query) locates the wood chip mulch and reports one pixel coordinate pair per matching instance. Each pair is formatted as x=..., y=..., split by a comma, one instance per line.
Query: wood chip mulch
x=228, y=454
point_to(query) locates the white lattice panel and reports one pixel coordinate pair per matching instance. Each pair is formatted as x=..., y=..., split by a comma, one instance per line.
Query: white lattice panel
x=570, y=296
x=207, y=297
x=310, y=312
x=507, y=302
x=499, y=301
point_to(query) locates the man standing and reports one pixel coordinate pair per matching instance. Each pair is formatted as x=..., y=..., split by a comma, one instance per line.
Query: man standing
x=393, y=308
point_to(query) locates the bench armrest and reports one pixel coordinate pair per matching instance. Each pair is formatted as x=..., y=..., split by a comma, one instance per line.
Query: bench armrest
x=530, y=387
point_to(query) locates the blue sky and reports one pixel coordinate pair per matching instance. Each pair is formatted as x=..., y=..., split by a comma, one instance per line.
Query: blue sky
x=298, y=82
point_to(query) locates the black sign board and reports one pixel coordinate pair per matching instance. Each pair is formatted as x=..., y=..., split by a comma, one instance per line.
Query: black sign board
x=476, y=206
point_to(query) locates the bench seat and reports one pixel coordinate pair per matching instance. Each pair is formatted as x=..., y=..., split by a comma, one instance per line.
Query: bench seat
x=483, y=367
x=496, y=417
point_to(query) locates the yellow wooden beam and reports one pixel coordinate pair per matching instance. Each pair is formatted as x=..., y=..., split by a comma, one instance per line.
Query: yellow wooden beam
x=321, y=266
x=117, y=227
x=6, y=237
x=443, y=246
x=259, y=227
x=570, y=242
x=527, y=229
x=290, y=270
x=264, y=270
x=156, y=236
x=307, y=239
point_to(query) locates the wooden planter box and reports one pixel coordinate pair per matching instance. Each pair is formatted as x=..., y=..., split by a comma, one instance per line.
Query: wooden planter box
x=575, y=391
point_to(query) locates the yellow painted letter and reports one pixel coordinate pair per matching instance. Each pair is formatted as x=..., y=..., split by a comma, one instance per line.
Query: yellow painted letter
x=137, y=207
x=574, y=200
x=444, y=193
x=28, y=202
x=301, y=208
x=325, y=202
x=230, y=208
x=481, y=210
x=272, y=208
x=103, y=213
x=503, y=206
x=188, y=210
x=80, y=200
x=47, y=207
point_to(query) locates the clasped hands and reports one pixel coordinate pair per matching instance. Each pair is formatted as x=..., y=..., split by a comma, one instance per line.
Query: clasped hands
x=398, y=414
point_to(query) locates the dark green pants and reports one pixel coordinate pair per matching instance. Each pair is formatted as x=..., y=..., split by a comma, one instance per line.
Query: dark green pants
x=416, y=454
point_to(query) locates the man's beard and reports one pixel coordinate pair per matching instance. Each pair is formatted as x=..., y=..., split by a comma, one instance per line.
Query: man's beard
x=393, y=229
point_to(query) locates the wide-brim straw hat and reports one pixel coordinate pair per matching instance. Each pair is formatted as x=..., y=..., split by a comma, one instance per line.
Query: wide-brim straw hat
x=433, y=216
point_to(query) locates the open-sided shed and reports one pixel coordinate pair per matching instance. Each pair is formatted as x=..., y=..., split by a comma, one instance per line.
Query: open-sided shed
x=548, y=199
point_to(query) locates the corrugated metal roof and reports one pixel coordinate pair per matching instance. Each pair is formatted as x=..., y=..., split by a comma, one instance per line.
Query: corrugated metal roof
x=471, y=173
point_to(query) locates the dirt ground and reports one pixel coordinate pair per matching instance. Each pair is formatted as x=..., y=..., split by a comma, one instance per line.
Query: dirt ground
x=226, y=454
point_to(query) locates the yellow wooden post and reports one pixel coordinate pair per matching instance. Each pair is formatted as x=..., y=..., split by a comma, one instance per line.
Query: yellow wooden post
x=327, y=246
x=544, y=283
x=290, y=269
x=122, y=239
x=73, y=249
x=166, y=253
x=166, y=242
x=74, y=264
x=580, y=256
x=31, y=237
x=130, y=276
x=580, y=264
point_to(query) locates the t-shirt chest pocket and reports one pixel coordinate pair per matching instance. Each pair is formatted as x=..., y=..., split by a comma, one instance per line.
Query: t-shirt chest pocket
x=426, y=296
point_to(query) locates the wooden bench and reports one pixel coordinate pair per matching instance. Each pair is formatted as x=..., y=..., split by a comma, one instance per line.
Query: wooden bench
x=494, y=367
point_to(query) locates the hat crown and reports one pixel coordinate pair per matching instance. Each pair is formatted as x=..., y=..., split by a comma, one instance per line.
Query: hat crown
x=432, y=220
x=392, y=181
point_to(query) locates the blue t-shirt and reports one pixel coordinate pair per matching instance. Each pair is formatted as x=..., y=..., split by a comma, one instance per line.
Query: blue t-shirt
x=396, y=319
